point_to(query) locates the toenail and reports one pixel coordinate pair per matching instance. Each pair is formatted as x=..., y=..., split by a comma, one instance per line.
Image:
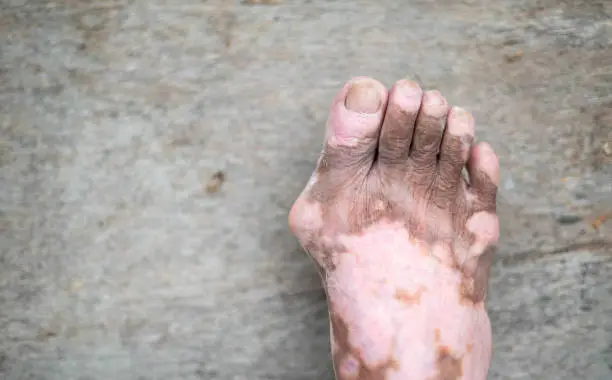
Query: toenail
x=434, y=104
x=461, y=115
x=460, y=122
x=433, y=98
x=363, y=97
x=409, y=88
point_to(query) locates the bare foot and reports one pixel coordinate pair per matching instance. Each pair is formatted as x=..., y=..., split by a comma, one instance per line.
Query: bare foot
x=402, y=238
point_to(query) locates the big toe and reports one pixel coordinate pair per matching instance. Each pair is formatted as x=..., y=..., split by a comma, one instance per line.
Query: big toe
x=354, y=123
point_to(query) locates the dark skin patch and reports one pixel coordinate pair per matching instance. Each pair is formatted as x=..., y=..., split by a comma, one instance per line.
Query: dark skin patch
x=324, y=252
x=396, y=132
x=409, y=298
x=450, y=158
x=344, y=350
x=449, y=366
x=473, y=289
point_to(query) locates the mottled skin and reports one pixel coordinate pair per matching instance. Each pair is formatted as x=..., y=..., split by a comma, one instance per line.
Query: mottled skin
x=403, y=240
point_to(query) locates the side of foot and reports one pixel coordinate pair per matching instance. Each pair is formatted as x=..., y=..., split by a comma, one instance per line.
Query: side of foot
x=402, y=238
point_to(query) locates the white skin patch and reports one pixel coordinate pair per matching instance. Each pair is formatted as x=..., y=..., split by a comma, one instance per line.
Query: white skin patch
x=384, y=258
x=484, y=226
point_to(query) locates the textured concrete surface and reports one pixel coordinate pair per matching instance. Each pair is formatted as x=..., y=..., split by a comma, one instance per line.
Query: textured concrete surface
x=119, y=260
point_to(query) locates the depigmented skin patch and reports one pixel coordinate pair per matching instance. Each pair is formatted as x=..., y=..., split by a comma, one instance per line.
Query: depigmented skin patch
x=344, y=350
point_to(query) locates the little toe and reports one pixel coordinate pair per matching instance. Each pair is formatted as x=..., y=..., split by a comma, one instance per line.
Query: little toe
x=483, y=168
x=429, y=129
x=456, y=143
x=353, y=127
x=398, y=126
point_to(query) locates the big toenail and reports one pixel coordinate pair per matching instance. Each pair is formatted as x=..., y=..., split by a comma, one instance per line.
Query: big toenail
x=363, y=97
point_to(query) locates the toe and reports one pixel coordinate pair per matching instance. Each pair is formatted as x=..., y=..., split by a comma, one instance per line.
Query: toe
x=456, y=144
x=398, y=127
x=483, y=167
x=353, y=127
x=429, y=129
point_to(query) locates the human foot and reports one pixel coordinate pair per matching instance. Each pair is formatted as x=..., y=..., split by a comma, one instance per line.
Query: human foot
x=401, y=237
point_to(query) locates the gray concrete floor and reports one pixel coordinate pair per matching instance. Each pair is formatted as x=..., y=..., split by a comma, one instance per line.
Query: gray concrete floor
x=118, y=261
